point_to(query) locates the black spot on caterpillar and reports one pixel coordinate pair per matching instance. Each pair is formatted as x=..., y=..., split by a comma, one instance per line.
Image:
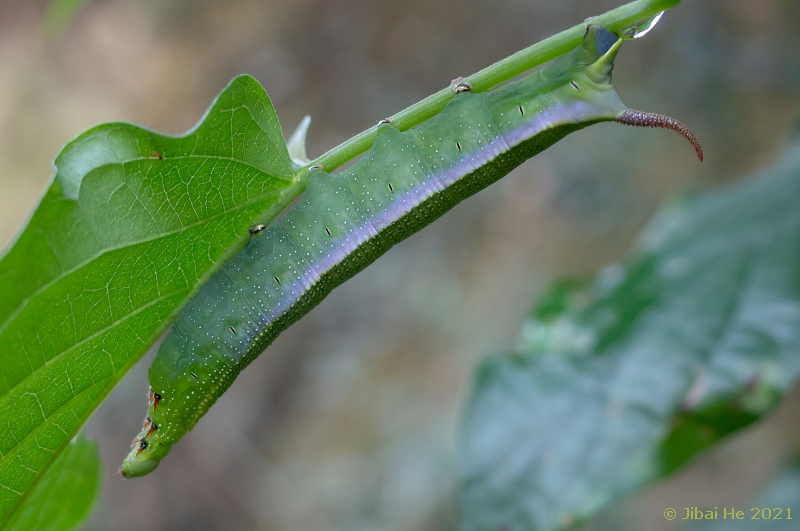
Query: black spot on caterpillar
x=345, y=221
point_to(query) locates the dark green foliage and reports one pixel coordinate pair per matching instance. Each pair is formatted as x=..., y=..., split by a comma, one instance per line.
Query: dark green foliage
x=619, y=384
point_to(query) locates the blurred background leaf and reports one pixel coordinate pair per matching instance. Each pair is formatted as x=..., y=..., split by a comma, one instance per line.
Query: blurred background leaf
x=694, y=338
x=64, y=496
x=350, y=421
x=777, y=507
x=59, y=14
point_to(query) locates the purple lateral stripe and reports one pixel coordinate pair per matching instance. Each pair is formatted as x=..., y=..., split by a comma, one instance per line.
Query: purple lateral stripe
x=574, y=112
x=351, y=242
x=312, y=273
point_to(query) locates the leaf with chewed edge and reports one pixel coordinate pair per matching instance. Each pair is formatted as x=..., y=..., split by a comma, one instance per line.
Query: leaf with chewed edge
x=620, y=382
x=132, y=224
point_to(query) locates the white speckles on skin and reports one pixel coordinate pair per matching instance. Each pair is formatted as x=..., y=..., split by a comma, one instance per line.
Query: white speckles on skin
x=300, y=249
x=572, y=111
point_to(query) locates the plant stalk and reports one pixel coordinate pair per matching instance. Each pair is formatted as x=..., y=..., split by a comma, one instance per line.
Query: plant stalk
x=501, y=71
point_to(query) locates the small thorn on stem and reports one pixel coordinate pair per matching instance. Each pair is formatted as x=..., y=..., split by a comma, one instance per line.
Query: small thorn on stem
x=651, y=119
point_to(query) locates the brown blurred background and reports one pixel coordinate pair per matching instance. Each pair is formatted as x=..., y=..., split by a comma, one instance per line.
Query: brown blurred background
x=350, y=420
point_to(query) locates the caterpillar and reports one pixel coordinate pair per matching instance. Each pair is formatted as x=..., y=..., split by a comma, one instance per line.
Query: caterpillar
x=344, y=221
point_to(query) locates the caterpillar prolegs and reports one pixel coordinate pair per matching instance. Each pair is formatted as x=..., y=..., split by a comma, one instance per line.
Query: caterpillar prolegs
x=345, y=221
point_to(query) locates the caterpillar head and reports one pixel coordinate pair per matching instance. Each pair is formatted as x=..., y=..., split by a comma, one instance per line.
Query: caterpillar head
x=143, y=458
x=146, y=449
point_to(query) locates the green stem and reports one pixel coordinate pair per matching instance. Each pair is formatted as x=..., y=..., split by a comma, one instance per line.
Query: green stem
x=501, y=71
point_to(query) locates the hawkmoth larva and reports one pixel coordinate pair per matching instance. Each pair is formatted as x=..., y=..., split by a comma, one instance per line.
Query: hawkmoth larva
x=344, y=221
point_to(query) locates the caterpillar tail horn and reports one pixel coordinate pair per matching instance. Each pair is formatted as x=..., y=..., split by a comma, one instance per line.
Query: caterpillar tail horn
x=651, y=119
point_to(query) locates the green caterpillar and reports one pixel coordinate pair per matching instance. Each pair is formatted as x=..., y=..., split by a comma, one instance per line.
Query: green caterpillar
x=345, y=221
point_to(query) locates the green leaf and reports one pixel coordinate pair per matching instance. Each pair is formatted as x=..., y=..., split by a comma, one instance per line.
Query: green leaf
x=621, y=382
x=63, y=497
x=133, y=223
